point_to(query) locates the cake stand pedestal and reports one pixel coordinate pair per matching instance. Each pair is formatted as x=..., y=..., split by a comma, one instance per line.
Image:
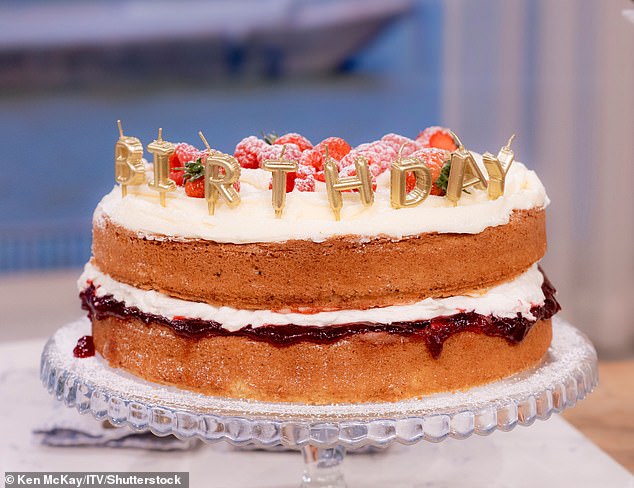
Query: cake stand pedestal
x=321, y=432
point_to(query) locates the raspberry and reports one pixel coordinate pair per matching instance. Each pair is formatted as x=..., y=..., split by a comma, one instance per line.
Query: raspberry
x=312, y=158
x=434, y=158
x=185, y=153
x=376, y=170
x=204, y=154
x=351, y=170
x=396, y=141
x=303, y=171
x=305, y=184
x=174, y=161
x=383, y=151
x=337, y=148
x=378, y=153
x=410, y=181
x=290, y=181
x=348, y=159
x=177, y=176
x=291, y=152
x=305, y=178
x=439, y=137
x=294, y=138
x=248, y=150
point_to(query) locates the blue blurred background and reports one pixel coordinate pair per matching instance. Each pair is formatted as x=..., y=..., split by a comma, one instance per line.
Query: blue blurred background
x=60, y=133
x=560, y=78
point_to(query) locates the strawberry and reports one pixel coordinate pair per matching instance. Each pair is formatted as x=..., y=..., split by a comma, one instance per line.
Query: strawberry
x=439, y=137
x=248, y=150
x=337, y=148
x=183, y=153
x=195, y=188
x=294, y=138
x=194, y=179
x=396, y=141
x=434, y=158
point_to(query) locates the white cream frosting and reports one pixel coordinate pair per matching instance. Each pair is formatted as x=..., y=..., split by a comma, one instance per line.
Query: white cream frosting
x=505, y=300
x=307, y=215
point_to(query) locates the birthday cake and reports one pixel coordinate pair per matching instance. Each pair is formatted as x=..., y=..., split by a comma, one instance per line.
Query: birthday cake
x=324, y=273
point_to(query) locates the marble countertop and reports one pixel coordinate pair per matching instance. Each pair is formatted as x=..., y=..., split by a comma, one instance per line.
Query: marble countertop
x=551, y=453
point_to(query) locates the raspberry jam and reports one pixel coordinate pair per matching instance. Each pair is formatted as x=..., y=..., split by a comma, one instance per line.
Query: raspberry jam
x=85, y=347
x=433, y=332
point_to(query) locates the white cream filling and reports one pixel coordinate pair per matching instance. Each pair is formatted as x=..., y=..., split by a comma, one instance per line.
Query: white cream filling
x=307, y=215
x=505, y=300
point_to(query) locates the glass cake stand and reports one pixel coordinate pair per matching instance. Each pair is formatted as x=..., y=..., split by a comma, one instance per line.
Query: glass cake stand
x=321, y=432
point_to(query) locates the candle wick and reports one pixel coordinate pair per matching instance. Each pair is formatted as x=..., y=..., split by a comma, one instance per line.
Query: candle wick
x=456, y=139
x=200, y=133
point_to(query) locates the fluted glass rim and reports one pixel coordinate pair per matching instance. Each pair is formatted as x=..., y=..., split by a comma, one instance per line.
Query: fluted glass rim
x=566, y=376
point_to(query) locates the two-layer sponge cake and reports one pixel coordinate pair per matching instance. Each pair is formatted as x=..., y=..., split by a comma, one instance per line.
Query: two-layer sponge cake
x=387, y=303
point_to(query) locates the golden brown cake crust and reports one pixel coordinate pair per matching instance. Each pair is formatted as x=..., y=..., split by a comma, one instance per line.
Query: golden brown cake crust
x=362, y=368
x=338, y=273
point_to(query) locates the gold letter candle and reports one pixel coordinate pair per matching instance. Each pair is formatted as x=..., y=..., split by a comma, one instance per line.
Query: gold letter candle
x=219, y=183
x=161, y=150
x=399, y=197
x=280, y=169
x=464, y=173
x=335, y=185
x=497, y=168
x=128, y=161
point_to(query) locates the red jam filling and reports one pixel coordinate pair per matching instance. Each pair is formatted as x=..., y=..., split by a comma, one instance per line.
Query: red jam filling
x=85, y=347
x=433, y=332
